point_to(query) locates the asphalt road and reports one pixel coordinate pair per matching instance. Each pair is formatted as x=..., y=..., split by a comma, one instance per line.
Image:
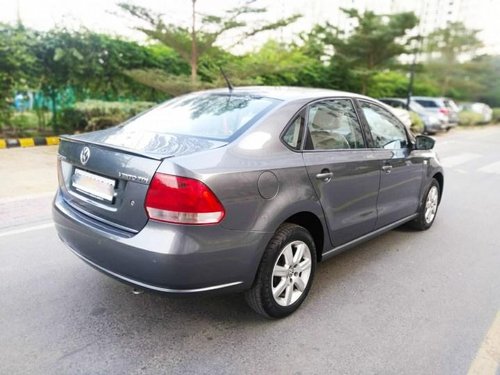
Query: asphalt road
x=405, y=303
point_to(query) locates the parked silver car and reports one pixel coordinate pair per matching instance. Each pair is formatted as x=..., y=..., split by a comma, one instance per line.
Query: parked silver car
x=444, y=106
x=242, y=190
x=433, y=122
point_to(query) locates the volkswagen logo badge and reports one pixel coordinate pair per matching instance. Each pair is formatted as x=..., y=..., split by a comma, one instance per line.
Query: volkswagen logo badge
x=85, y=155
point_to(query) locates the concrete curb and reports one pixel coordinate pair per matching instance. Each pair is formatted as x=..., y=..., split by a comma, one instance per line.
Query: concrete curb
x=28, y=142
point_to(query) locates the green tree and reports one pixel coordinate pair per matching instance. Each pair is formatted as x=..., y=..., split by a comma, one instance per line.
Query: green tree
x=279, y=64
x=375, y=43
x=108, y=60
x=392, y=83
x=195, y=42
x=60, y=63
x=15, y=60
x=445, y=48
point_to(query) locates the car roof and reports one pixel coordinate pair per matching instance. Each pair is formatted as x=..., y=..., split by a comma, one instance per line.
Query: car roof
x=396, y=99
x=287, y=93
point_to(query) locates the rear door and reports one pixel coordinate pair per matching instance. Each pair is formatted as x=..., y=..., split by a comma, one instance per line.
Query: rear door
x=402, y=172
x=343, y=171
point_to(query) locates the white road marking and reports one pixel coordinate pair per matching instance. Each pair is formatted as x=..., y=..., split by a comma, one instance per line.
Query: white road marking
x=491, y=168
x=27, y=197
x=487, y=357
x=24, y=230
x=453, y=161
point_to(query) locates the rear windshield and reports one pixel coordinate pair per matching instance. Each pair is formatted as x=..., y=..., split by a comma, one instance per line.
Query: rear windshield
x=215, y=116
x=427, y=103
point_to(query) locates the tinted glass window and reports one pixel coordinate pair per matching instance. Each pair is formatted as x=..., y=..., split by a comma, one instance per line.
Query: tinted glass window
x=427, y=103
x=414, y=106
x=293, y=136
x=333, y=124
x=386, y=131
x=215, y=116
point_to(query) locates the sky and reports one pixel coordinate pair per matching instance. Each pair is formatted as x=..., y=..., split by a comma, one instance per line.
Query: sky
x=104, y=15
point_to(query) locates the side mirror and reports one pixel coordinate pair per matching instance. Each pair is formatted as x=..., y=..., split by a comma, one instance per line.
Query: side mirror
x=424, y=142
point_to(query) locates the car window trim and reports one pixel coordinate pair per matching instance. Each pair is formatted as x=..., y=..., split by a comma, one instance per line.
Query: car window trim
x=409, y=138
x=289, y=124
x=306, y=133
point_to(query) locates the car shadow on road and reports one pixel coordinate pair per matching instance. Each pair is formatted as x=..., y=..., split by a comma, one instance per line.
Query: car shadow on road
x=331, y=278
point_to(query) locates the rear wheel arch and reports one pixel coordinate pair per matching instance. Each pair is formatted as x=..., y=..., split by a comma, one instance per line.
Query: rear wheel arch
x=314, y=226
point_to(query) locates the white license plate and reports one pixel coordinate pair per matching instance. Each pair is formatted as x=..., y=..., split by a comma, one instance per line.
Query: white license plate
x=98, y=187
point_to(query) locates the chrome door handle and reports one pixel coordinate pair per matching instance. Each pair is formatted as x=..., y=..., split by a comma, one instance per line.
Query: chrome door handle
x=387, y=168
x=325, y=176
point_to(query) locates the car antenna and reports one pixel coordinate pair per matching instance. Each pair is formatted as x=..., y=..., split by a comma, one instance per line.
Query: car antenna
x=228, y=82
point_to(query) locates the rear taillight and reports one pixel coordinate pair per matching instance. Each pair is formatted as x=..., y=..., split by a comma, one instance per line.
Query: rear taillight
x=444, y=111
x=182, y=200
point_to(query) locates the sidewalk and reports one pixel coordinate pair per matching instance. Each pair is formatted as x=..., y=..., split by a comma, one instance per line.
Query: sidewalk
x=27, y=172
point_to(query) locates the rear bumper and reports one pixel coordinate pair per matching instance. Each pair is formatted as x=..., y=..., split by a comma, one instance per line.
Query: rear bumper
x=164, y=257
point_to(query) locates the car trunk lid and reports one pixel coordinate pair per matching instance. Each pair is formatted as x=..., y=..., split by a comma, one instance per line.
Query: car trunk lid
x=108, y=180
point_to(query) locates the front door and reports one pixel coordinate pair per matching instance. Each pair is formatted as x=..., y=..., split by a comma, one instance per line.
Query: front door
x=343, y=171
x=402, y=174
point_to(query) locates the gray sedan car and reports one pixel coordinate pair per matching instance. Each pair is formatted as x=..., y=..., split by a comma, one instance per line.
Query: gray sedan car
x=242, y=190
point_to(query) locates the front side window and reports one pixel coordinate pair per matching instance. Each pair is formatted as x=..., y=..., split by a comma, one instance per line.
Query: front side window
x=386, y=131
x=333, y=125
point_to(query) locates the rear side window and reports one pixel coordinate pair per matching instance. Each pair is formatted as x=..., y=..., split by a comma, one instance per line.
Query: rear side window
x=293, y=135
x=216, y=116
x=386, y=131
x=333, y=124
x=427, y=103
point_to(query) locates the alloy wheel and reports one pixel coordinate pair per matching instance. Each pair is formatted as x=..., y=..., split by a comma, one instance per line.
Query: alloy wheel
x=431, y=204
x=291, y=273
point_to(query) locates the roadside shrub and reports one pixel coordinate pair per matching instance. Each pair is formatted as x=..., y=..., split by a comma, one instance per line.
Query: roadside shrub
x=24, y=120
x=496, y=116
x=73, y=120
x=417, y=125
x=469, y=118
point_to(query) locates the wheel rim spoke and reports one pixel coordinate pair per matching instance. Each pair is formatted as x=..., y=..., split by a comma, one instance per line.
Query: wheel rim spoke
x=279, y=288
x=299, y=253
x=288, y=254
x=288, y=294
x=303, y=266
x=280, y=271
x=299, y=283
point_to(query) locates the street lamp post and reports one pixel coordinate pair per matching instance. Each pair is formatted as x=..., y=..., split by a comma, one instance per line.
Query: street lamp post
x=409, y=92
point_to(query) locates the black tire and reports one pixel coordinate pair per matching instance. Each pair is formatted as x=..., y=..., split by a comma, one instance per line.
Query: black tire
x=420, y=223
x=260, y=296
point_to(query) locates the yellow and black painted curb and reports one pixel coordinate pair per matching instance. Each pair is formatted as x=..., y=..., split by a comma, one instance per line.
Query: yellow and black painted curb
x=28, y=142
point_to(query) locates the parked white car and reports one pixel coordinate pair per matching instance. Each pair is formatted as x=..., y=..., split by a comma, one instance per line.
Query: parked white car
x=481, y=108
